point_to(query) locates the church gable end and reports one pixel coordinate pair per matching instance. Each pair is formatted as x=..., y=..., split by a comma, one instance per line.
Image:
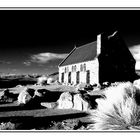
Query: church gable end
x=106, y=60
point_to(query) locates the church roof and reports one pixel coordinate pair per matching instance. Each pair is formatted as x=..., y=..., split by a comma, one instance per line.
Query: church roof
x=83, y=53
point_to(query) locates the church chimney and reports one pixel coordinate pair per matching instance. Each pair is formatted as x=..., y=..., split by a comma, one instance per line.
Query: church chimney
x=98, y=44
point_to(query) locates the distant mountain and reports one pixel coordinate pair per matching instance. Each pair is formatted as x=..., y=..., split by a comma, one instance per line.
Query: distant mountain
x=8, y=81
x=53, y=74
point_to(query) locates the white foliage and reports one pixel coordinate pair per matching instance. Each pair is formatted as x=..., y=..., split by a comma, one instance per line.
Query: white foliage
x=41, y=80
x=118, y=111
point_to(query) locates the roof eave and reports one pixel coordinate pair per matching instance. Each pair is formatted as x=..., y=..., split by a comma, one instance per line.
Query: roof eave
x=67, y=56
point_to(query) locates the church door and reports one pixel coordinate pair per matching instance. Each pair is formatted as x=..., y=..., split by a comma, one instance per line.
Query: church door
x=77, y=77
x=69, y=77
x=88, y=77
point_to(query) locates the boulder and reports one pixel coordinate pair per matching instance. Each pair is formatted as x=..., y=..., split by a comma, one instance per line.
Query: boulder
x=26, y=96
x=51, y=105
x=69, y=100
x=19, y=86
x=7, y=96
x=65, y=101
x=79, y=103
x=38, y=94
x=41, y=92
x=136, y=83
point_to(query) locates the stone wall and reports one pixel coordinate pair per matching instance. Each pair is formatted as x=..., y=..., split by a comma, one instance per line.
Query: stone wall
x=92, y=66
x=116, y=63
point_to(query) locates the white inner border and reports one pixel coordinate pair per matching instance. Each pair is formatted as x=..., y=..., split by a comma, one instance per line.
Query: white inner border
x=70, y=3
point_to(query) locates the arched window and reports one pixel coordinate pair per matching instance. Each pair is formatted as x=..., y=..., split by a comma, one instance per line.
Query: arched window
x=75, y=68
x=72, y=68
x=84, y=67
x=77, y=77
x=69, y=77
x=65, y=69
x=62, y=78
x=88, y=77
x=81, y=67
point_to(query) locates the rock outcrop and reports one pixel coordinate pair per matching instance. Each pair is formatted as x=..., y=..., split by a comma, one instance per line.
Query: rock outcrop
x=69, y=100
x=7, y=96
x=26, y=96
x=65, y=101
x=79, y=103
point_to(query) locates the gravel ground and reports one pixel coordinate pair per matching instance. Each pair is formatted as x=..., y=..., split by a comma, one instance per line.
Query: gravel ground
x=27, y=118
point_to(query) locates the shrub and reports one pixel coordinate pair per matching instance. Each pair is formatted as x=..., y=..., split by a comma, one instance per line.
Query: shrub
x=69, y=124
x=118, y=110
x=7, y=126
x=42, y=80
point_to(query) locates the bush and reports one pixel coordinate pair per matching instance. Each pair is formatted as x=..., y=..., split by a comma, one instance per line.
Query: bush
x=42, y=80
x=69, y=124
x=7, y=126
x=118, y=110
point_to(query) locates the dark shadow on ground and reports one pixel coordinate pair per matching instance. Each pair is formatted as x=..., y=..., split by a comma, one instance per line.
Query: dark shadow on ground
x=9, y=83
x=19, y=108
x=50, y=96
x=30, y=122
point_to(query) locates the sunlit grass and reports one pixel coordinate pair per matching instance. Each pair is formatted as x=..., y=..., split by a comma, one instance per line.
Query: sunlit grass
x=118, y=110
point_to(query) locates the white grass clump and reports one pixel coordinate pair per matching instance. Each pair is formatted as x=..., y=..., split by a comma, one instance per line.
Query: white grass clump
x=118, y=110
x=41, y=80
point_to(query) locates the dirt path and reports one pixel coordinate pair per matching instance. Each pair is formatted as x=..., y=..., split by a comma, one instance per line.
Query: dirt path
x=31, y=118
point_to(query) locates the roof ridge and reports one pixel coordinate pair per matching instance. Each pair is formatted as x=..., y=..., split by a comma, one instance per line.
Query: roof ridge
x=86, y=44
x=79, y=54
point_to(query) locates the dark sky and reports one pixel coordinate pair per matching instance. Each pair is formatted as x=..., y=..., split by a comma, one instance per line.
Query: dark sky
x=36, y=41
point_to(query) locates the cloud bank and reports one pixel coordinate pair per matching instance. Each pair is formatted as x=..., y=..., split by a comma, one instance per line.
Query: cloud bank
x=27, y=63
x=135, y=50
x=5, y=62
x=43, y=58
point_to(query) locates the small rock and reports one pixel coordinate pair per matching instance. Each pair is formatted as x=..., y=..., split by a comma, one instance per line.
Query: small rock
x=136, y=83
x=49, y=105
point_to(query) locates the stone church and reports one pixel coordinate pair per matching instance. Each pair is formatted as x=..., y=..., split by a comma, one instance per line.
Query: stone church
x=107, y=59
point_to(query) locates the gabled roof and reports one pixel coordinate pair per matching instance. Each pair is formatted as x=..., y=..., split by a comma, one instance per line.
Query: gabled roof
x=81, y=54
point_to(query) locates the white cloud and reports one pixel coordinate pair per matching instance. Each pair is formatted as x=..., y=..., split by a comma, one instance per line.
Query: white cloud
x=14, y=70
x=135, y=50
x=27, y=63
x=43, y=58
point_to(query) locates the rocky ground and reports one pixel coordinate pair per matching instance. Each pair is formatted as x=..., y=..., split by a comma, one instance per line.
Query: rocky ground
x=53, y=106
x=81, y=107
x=21, y=118
x=48, y=109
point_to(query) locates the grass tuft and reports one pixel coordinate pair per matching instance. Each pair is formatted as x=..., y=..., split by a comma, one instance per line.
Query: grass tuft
x=118, y=110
